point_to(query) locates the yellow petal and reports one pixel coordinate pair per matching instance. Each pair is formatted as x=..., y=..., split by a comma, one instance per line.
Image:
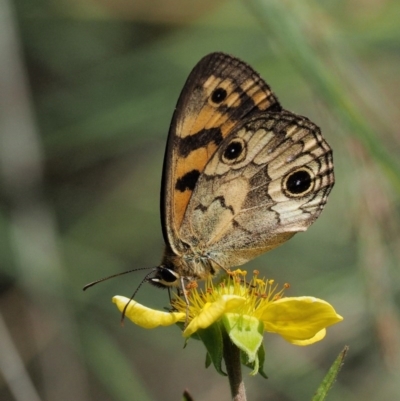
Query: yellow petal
x=300, y=318
x=211, y=312
x=318, y=337
x=146, y=317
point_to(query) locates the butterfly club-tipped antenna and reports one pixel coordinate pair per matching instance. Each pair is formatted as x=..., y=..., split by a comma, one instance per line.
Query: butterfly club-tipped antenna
x=167, y=277
x=145, y=279
x=160, y=276
x=115, y=275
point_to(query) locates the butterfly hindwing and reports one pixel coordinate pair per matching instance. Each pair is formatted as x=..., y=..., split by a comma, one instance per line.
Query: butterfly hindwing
x=269, y=179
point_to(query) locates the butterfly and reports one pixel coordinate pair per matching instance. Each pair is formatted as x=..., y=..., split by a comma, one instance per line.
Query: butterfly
x=241, y=175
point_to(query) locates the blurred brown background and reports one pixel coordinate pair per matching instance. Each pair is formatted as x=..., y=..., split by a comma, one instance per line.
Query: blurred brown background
x=87, y=91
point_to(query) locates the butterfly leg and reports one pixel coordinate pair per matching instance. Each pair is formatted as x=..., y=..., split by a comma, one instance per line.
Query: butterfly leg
x=182, y=279
x=169, y=295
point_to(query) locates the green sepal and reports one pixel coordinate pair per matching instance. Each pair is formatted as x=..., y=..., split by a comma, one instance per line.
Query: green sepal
x=254, y=365
x=261, y=360
x=257, y=366
x=246, y=332
x=330, y=377
x=194, y=336
x=208, y=360
x=212, y=340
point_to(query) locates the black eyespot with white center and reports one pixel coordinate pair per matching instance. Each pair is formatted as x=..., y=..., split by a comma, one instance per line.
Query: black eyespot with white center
x=298, y=183
x=219, y=95
x=234, y=152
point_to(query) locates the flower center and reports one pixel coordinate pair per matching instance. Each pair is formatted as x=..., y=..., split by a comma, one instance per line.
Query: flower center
x=257, y=293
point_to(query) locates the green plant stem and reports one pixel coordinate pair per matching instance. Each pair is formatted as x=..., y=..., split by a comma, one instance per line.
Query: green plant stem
x=234, y=369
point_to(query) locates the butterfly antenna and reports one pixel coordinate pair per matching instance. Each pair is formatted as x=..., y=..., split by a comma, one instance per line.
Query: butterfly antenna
x=112, y=276
x=146, y=278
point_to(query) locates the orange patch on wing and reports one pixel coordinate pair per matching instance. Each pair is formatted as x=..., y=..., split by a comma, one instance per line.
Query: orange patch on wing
x=196, y=160
x=208, y=118
x=181, y=200
x=259, y=96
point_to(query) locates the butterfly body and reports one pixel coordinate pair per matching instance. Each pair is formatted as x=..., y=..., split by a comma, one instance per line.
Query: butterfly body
x=241, y=174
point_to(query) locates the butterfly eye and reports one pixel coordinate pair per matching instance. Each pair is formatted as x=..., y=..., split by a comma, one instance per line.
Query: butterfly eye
x=164, y=277
x=298, y=183
x=168, y=275
x=235, y=152
x=219, y=95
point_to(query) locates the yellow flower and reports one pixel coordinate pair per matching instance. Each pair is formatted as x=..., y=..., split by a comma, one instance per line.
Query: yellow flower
x=243, y=311
x=299, y=320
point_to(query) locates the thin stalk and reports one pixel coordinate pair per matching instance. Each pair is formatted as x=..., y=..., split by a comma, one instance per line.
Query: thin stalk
x=234, y=369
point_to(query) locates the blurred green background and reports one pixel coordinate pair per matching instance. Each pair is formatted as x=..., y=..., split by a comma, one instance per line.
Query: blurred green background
x=87, y=91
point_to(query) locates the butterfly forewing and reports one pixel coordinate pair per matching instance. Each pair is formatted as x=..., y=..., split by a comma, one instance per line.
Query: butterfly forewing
x=220, y=92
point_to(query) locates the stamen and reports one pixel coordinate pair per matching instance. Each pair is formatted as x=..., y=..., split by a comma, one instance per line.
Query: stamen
x=191, y=285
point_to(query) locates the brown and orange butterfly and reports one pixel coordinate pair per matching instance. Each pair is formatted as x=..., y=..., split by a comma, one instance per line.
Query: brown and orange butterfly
x=241, y=175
